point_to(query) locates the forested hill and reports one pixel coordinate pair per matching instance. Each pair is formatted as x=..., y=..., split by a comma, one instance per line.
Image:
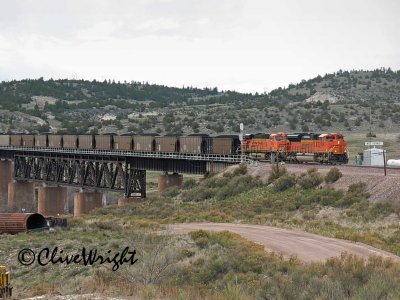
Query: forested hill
x=380, y=84
x=95, y=93
x=346, y=86
x=340, y=101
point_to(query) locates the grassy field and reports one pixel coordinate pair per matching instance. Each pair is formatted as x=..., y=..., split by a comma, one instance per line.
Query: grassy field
x=205, y=265
x=323, y=211
x=197, y=266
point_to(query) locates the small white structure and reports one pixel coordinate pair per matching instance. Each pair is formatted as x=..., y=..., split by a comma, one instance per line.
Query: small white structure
x=374, y=157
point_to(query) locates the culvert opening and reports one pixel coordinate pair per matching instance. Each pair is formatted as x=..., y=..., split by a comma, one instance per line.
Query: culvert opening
x=36, y=221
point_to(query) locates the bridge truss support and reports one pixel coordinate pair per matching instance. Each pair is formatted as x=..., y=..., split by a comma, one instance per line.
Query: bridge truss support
x=81, y=171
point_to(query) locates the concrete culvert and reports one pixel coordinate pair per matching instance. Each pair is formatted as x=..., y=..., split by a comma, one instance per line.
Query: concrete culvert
x=20, y=222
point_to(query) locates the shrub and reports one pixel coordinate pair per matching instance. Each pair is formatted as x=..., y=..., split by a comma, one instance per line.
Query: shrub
x=284, y=182
x=326, y=197
x=311, y=179
x=333, y=175
x=171, y=192
x=189, y=183
x=236, y=186
x=240, y=170
x=276, y=172
x=378, y=210
x=221, y=187
x=355, y=194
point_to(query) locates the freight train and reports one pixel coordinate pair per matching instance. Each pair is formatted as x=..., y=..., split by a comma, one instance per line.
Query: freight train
x=321, y=148
x=191, y=144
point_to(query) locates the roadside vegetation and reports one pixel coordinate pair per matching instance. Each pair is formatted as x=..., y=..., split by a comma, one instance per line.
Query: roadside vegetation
x=200, y=265
x=286, y=200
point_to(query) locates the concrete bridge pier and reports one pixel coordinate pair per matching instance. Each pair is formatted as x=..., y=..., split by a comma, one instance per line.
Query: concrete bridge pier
x=51, y=200
x=86, y=201
x=125, y=201
x=6, y=170
x=167, y=180
x=21, y=197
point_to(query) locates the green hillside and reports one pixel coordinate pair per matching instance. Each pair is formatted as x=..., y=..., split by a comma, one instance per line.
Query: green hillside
x=334, y=102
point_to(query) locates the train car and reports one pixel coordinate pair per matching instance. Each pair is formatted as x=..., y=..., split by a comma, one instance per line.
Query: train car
x=144, y=143
x=123, y=142
x=225, y=144
x=70, y=141
x=86, y=141
x=195, y=144
x=16, y=140
x=167, y=143
x=5, y=140
x=41, y=141
x=28, y=140
x=56, y=141
x=103, y=142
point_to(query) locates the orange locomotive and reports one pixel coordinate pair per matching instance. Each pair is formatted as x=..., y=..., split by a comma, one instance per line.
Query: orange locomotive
x=323, y=148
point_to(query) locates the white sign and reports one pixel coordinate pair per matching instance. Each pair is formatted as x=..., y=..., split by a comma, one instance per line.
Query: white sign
x=241, y=137
x=373, y=143
x=241, y=127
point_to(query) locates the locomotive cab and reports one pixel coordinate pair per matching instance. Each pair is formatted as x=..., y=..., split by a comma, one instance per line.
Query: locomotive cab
x=335, y=145
x=333, y=139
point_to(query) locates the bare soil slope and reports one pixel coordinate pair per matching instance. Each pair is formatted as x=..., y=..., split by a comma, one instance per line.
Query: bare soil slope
x=381, y=188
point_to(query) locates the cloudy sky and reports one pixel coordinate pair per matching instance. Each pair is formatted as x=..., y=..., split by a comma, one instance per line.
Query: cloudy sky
x=249, y=46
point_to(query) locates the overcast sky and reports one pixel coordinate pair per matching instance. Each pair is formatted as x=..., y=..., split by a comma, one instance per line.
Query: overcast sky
x=246, y=46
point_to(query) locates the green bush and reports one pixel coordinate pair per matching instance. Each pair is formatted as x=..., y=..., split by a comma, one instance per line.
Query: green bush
x=326, y=197
x=376, y=210
x=240, y=170
x=189, y=183
x=355, y=194
x=221, y=188
x=236, y=186
x=311, y=179
x=333, y=175
x=171, y=192
x=284, y=182
x=276, y=172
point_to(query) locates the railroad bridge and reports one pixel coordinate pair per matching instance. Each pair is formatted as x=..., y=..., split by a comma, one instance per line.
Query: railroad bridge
x=93, y=171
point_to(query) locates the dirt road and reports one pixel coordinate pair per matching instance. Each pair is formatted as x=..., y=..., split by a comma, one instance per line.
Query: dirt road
x=306, y=246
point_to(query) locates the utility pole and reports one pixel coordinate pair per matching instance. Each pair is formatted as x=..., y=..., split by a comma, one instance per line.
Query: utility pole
x=384, y=161
x=370, y=126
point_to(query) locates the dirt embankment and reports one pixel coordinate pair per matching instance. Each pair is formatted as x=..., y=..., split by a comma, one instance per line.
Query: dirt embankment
x=381, y=188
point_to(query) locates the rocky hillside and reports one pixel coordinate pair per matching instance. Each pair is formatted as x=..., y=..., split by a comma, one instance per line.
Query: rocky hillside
x=339, y=101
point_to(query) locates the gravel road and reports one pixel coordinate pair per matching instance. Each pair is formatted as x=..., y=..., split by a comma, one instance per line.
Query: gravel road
x=306, y=246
